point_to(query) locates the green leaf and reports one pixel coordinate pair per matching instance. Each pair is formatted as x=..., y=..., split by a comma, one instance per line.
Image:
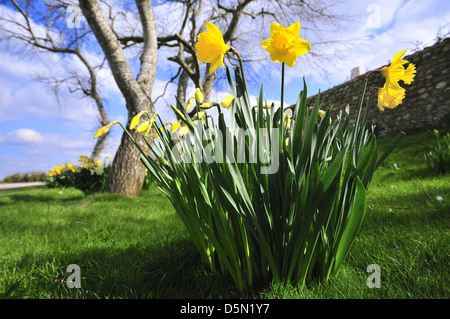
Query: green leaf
x=354, y=220
x=366, y=157
x=391, y=147
x=332, y=171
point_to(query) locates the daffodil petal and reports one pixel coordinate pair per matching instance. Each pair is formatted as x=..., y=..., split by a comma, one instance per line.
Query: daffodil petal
x=397, y=56
x=409, y=74
x=294, y=29
x=275, y=27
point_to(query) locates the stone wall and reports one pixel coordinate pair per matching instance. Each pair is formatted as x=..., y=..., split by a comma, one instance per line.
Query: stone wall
x=427, y=101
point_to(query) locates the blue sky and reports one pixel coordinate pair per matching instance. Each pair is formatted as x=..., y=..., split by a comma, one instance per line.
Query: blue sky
x=38, y=132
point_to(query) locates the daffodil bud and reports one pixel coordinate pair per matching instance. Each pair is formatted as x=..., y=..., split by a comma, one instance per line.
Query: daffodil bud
x=161, y=129
x=183, y=131
x=136, y=119
x=175, y=127
x=227, y=101
x=146, y=126
x=199, y=96
x=207, y=105
x=190, y=103
x=105, y=129
x=198, y=115
x=178, y=112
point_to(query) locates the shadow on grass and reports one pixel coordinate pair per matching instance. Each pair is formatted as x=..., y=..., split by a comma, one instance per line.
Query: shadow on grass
x=39, y=199
x=38, y=194
x=137, y=272
x=405, y=174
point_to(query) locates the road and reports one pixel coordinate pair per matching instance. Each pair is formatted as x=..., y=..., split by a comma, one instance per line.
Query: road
x=17, y=185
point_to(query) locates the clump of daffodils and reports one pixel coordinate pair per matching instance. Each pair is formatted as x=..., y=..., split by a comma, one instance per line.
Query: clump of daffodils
x=290, y=223
x=88, y=176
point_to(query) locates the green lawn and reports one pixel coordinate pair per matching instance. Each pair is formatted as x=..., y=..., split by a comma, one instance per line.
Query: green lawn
x=139, y=248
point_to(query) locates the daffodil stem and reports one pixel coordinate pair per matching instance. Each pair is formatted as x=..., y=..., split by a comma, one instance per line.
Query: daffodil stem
x=282, y=104
x=282, y=87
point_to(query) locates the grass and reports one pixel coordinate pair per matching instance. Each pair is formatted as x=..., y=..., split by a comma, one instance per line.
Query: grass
x=139, y=248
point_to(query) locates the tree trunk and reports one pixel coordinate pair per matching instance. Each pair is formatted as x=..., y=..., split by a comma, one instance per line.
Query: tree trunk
x=208, y=83
x=127, y=172
x=182, y=85
x=100, y=144
x=207, y=86
x=98, y=148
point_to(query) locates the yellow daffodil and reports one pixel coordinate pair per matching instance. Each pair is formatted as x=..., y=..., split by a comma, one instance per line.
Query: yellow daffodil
x=211, y=47
x=143, y=127
x=190, y=103
x=161, y=129
x=392, y=94
x=321, y=113
x=208, y=105
x=284, y=44
x=287, y=117
x=227, y=101
x=175, y=127
x=198, y=122
x=71, y=167
x=109, y=156
x=146, y=126
x=98, y=162
x=436, y=132
x=105, y=129
x=392, y=99
x=183, y=131
x=198, y=115
x=199, y=96
x=136, y=119
x=409, y=74
x=396, y=71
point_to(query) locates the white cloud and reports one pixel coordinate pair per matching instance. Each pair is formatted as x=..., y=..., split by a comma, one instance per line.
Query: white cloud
x=24, y=136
